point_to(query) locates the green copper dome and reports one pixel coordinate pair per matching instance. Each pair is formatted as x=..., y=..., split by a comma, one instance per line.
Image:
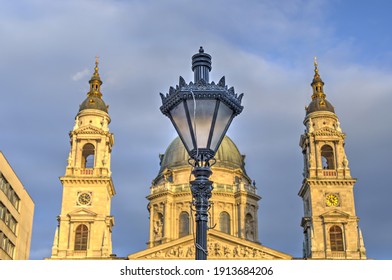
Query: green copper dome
x=319, y=104
x=93, y=102
x=227, y=156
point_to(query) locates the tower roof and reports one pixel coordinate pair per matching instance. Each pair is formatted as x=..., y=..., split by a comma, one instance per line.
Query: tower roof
x=94, y=96
x=319, y=101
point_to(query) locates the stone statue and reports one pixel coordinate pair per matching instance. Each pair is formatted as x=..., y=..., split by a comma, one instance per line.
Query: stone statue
x=249, y=230
x=76, y=126
x=69, y=160
x=338, y=128
x=310, y=125
x=345, y=162
x=158, y=229
x=180, y=251
x=189, y=252
x=226, y=251
x=236, y=252
x=104, y=160
x=217, y=249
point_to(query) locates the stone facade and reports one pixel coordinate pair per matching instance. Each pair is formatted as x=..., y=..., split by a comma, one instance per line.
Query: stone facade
x=234, y=203
x=16, y=215
x=221, y=246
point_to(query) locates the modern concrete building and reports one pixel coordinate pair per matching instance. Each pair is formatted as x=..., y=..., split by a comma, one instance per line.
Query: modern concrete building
x=16, y=215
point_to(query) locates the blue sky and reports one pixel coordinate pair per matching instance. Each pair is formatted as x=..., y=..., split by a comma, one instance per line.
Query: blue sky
x=264, y=48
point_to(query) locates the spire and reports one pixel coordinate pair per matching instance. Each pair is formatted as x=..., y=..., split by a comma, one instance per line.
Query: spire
x=317, y=84
x=95, y=82
x=201, y=66
x=94, y=96
x=319, y=101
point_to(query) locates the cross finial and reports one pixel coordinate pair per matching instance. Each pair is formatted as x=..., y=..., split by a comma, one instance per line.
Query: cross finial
x=315, y=65
x=96, y=66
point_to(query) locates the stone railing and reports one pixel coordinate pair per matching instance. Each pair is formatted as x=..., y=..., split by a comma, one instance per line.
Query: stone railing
x=170, y=187
x=336, y=255
x=87, y=172
x=217, y=188
x=329, y=173
x=78, y=254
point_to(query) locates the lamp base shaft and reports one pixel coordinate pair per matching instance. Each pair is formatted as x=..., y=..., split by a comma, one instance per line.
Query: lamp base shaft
x=201, y=189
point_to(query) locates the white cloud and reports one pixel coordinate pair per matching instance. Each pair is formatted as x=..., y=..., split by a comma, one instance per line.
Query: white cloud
x=81, y=74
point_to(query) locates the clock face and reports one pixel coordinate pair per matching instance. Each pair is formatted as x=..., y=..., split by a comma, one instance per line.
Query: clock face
x=84, y=198
x=332, y=199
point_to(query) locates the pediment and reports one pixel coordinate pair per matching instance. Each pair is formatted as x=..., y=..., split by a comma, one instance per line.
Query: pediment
x=328, y=131
x=83, y=212
x=220, y=246
x=334, y=215
x=89, y=129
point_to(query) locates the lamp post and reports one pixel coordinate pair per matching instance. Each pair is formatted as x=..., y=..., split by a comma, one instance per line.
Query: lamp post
x=201, y=112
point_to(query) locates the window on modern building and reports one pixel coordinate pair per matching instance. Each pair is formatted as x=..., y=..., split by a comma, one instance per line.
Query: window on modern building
x=1, y=239
x=15, y=201
x=5, y=186
x=88, y=154
x=13, y=224
x=224, y=222
x=9, y=192
x=184, y=224
x=81, y=238
x=6, y=245
x=2, y=183
x=327, y=157
x=336, y=238
x=10, y=248
x=3, y=210
x=7, y=219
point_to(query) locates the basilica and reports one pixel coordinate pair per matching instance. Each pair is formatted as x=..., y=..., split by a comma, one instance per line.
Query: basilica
x=329, y=223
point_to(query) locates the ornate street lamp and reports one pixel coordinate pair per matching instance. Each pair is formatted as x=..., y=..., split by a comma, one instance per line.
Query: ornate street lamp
x=201, y=112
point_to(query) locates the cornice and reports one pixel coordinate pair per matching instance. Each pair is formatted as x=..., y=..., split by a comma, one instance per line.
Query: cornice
x=328, y=131
x=325, y=182
x=90, y=129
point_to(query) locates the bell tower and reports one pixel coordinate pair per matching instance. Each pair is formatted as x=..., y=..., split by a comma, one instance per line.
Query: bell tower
x=330, y=224
x=85, y=225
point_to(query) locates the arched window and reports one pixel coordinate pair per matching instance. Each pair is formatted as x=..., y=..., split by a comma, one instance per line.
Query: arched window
x=336, y=238
x=249, y=227
x=224, y=222
x=327, y=157
x=88, y=156
x=184, y=224
x=81, y=237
